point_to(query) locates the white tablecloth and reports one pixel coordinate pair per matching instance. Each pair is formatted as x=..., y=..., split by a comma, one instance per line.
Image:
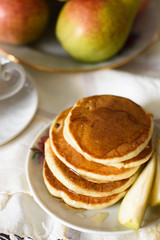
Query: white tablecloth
x=20, y=214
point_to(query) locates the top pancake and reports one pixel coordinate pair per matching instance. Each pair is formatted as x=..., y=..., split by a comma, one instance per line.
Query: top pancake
x=108, y=129
x=96, y=172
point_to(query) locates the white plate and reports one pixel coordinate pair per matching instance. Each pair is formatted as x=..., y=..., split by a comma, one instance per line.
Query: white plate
x=70, y=216
x=17, y=111
x=47, y=54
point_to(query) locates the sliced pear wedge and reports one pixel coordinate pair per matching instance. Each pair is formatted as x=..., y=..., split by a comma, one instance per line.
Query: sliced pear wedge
x=155, y=195
x=135, y=202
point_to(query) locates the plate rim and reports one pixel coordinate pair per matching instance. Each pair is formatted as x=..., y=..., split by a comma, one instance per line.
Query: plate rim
x=51, y=214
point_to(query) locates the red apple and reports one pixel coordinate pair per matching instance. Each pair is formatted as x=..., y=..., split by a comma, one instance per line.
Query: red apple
x=22, y=21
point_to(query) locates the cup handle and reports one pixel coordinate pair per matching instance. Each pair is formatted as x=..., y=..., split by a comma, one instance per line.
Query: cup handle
x=6, y=74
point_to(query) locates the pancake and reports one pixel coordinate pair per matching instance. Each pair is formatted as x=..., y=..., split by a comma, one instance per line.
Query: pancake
x=108, y=129
x=57, y=189
x=79, y=184
x=141, y=158
x=88, y=169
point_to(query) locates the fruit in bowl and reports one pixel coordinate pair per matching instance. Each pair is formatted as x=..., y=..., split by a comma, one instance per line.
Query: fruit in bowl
x=93, y=31
x=143, y=6
x=22, y=22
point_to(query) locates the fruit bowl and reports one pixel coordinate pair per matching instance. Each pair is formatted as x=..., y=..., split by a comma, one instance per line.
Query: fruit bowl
x=48, y=55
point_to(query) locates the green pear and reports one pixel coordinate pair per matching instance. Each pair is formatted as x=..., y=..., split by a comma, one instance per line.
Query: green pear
x=135, y=202
x=155, y=195
x=95, y=30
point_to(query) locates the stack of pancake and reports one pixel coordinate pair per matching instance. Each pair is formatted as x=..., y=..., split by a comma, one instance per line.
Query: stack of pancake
x=96, y=150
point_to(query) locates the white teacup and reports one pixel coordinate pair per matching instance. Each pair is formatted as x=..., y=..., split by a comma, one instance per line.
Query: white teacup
x=12, y=79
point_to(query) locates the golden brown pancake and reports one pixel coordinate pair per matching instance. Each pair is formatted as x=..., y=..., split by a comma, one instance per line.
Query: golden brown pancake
x=57, y=189
x=141, y=158
x=80, y=185
x=108, y=128
x=88, y=169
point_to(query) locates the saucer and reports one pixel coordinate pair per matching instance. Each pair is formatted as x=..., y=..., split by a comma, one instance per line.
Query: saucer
x=17, y=111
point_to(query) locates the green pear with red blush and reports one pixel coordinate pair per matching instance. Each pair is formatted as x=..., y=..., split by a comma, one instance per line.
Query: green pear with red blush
x=95, y=30
x=22, y=21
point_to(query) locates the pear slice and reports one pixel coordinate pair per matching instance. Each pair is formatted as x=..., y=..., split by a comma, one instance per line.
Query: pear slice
x=134, y=204
x=155, y=195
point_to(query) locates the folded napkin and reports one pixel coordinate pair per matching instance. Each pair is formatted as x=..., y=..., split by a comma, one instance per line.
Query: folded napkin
x=20, y=214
